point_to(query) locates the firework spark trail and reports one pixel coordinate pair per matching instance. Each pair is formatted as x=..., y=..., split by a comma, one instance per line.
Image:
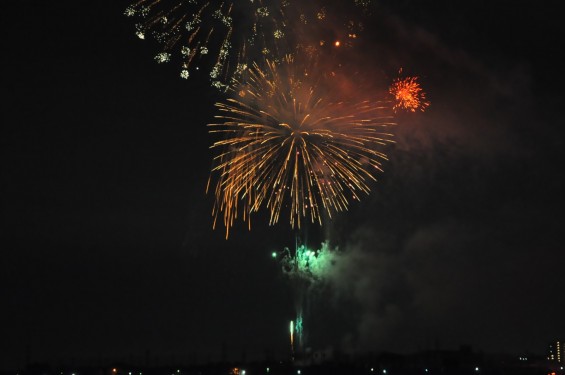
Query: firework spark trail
x=408, y=94
x=211, y=30
x=286, y=145
x=291, y=331
x=225, y=35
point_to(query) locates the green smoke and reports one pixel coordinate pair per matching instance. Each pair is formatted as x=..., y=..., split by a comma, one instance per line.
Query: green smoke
x=308, y=264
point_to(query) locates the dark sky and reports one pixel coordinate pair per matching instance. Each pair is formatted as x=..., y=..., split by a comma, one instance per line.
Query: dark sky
x=107, y=246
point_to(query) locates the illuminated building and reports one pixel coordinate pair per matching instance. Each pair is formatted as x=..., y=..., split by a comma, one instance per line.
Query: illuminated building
x=556, y=352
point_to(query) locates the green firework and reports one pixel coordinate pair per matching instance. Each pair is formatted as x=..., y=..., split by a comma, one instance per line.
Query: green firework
x=305, y=268
x=307, y=264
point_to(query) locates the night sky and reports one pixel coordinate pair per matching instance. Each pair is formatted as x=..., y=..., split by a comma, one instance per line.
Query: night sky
x=107, y=245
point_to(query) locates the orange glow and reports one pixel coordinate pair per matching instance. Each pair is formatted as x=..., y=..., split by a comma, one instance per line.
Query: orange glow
x=114, y=370
x=337, y=43
x=408, y=94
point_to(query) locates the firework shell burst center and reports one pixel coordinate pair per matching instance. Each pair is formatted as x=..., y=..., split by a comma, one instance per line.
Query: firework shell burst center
x=287, y=146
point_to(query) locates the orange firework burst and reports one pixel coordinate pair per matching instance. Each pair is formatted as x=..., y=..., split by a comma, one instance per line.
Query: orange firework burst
x=408, y=94
x=287, y=147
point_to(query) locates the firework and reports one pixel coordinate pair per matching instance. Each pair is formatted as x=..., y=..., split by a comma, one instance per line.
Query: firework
x=291, y=332
x=325, y=28
x=408, y=94
x=307, y=264
x=204, y=31
x=222, y=36
x=306, y=269
x=286, y=146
